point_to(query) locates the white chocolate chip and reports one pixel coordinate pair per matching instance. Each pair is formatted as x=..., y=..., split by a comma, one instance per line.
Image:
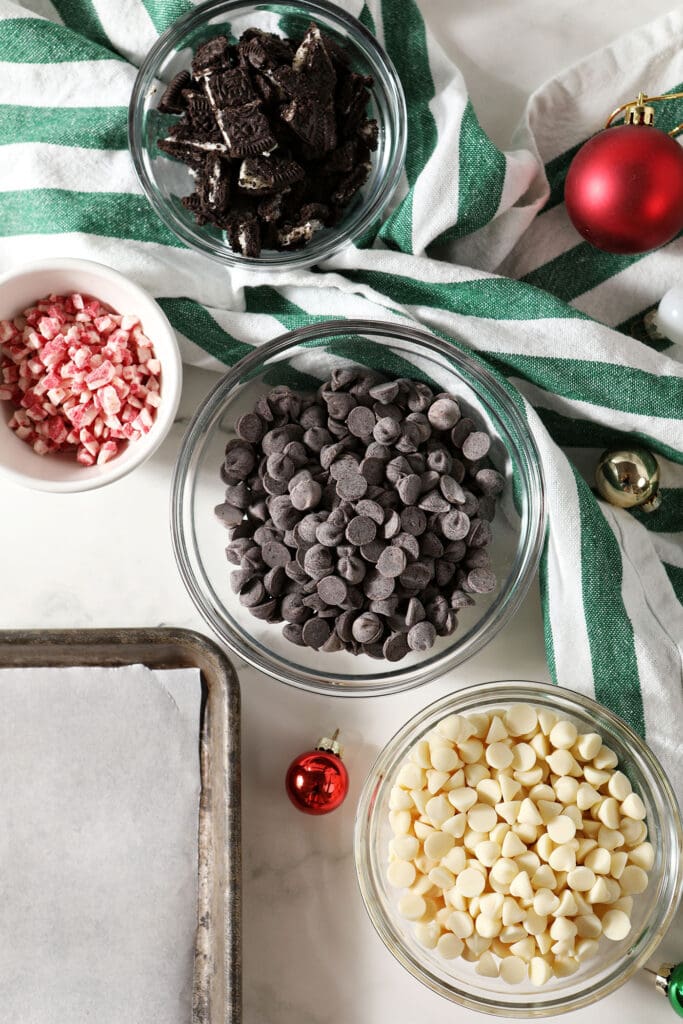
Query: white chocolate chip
x=489, y=792
x=476, y=773
x=400, y=799
x=563, y=858
x=586, y=797
x=582, y=879
x=461, y=924
x=401, y=874
x=455, y=826
x=455, y=860
x=444, y=758
x=618, y=861
x=642, y=856
x=449, y=946
x=471, y=750
x=545, y=902
x=479, y=724
x=599, y=860
x=633, y=807
x=436, y=780
x=463, y=799
x=540, y=971
x=513, y=970
x=535, y=924
x=523, y=757
x=528, y=813
x=563, y=735
x=499, y=756
x=618, y=786
x=487, y=853
x=482, y=818
x=439, y=809
x=520, y=719
x=605, y=758
x=615, y=925
x=404, y=847
x=520, y=886
x=633, y=832
x=633, y=880
x=412, y=907
x=400, y=821
x=438, y=844
x=565, y=965
x=568, y=906
x=427, y=934
x=486, y=965
x=561, y=829
x=585, y=949
x=544, y=878
x=441, y=877
x=411, y=776
x=563, y=763
x=513, y=846
x=609, y=838
x=454, y=728
x=608, y=813
x=470, y=882
x=488, y=927
x=508, y=810
x=588, y=744
x=497, y=731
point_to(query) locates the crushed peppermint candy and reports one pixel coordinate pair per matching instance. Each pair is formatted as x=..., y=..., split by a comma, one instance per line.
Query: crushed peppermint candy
x=81, y=377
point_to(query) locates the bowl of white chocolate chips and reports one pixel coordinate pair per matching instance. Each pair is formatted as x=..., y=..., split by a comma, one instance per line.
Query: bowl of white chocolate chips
x=518, y=849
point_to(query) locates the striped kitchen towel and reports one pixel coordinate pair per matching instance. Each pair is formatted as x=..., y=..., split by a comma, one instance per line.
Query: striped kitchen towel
x=477, y=247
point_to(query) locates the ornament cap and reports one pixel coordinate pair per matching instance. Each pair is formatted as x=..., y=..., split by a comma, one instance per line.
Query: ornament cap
x=330, y=744
x=639, y=112
x=629, y=478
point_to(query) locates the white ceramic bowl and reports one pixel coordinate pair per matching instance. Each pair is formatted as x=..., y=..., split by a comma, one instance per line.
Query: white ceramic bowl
x=61, y=473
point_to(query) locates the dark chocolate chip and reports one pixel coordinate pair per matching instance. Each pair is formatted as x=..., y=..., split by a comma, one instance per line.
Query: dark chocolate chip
x=367, y=628
x=315, y=632
x=392, y=562
x=361, y=530
x=395, y=647
x=481, y=581
x=421, y=637
x=377, y=586
x=351, y=488
x=250, y=427
x=274, y=554
x=443, y=414
x=413, y=520
x=455, y=525
x=490, y=482
x=292, y=631
x=434, y=502
x=461, y=430
x=228, y=514
x=415, y=576
x=361, y=421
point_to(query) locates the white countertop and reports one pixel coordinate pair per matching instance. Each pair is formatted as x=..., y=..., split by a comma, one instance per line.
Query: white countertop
x=104, y=559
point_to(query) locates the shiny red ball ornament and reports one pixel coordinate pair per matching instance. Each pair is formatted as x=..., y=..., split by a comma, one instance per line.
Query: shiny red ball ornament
x=624, y=189
x=317, y=780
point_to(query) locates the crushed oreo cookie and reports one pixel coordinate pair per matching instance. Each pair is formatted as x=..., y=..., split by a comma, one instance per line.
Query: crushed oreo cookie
x=276, y=135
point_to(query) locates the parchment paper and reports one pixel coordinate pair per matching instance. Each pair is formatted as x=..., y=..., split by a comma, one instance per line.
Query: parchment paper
x=99, y=798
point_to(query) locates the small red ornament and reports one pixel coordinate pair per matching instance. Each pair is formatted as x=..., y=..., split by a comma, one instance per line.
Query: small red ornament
x=317, y=781
x=624, y=188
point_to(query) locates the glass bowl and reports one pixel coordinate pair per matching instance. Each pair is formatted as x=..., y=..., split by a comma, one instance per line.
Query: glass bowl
x=165, y=180
x=614, y=962
x=302, y=359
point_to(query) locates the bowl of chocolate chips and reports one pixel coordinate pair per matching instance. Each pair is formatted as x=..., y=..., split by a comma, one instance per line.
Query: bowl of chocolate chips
x=268, y=135
x=357, y=507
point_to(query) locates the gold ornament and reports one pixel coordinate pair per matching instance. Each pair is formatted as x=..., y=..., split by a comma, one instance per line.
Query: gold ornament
x=629, y=478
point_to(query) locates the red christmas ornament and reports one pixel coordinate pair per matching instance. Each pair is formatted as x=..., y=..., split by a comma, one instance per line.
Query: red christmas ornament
x=624, y=188
x=317, y=780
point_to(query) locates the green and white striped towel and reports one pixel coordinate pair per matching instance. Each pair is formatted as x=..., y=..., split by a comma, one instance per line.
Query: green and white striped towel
x=478, y=247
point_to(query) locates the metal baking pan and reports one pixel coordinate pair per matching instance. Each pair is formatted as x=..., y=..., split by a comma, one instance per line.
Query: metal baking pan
x=217, y=995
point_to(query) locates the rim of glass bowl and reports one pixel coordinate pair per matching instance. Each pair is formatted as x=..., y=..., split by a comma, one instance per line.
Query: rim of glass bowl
x=386, y=79
x=370, y=860
x=515, y=435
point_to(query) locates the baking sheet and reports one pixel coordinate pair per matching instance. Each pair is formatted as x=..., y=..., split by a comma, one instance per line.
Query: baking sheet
x=99, y=796
x=214, y=938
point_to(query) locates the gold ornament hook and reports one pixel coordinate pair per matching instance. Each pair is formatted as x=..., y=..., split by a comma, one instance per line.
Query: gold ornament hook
x=639, y=111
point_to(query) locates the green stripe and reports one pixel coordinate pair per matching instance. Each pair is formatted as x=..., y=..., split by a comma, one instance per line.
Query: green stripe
x=36, y=41
x=197, y=324
x=406, y=43
x=163, y=13
x=491, y=298
x=81, y=16
x=366, y=19
x=610, y=631
x=267, y=300
x=579, y=269
x=481, y=177
x=545, y=607
x=570, y=432
x=86, y=127
x=668, y=518
x=51, y=211
x=605, y=384
x=675, y=574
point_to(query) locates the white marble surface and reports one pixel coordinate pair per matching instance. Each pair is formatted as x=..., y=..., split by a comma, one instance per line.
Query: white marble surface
x=105, y=559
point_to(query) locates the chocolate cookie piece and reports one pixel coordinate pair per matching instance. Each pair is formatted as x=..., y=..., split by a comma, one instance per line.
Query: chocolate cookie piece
x=351, y=184
x=313, y=62
x=230, y=88
x=313, y=121
x=211, y=56
x=352, y=101
x=263, y=50
x=213, y=187
x=244, y=234
x=245, y=129
x=173, y=100
x=261, y=175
